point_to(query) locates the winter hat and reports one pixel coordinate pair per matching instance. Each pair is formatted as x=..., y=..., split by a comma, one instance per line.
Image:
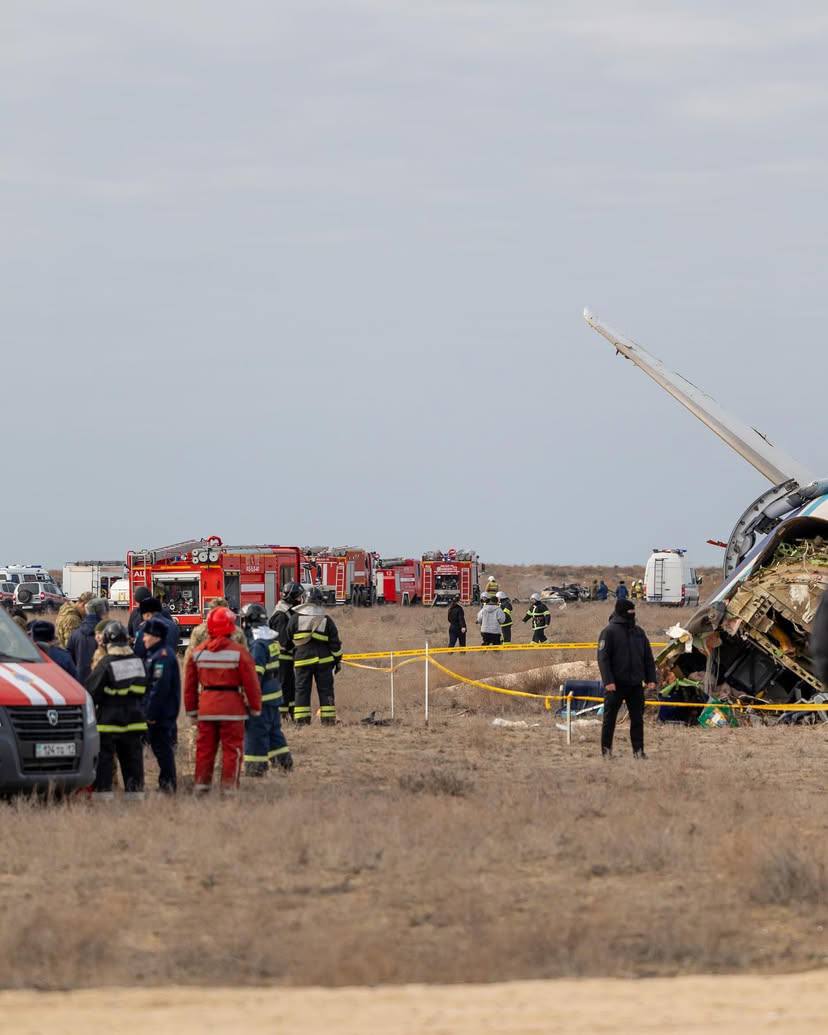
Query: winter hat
x=624, y=608
x=150, y=606
x=42, y=632
x=141, y=594
x=155, y=627
x=98, y=607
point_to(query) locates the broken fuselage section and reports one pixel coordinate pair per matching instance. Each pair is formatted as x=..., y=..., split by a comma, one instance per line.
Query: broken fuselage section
x=751, y=640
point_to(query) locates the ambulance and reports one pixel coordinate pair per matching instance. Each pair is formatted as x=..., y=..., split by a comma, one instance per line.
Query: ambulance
x=48, y=736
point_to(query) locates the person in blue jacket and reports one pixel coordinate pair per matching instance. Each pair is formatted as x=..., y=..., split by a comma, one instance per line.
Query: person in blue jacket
x=163, y=699
x=151, y=608
x=264, y=740
x=621, y=591
x=82, y=643
x=43, y=636
x=603, y=591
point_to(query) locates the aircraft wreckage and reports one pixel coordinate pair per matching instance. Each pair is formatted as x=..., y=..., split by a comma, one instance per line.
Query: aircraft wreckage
x=750, y=641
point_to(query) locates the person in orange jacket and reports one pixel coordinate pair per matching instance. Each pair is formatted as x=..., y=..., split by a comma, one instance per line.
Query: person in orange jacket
x=221, y=689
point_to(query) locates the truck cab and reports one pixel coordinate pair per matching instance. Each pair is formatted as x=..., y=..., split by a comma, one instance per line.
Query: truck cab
x=48, y=736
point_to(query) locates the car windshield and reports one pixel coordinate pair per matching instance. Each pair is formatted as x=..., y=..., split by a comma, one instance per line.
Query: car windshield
x=15, y=645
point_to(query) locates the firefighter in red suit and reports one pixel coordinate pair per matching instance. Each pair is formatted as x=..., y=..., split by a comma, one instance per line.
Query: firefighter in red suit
x=221, y=688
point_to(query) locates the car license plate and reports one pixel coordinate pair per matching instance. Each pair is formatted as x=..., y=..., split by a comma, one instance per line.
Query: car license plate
x=56, y=750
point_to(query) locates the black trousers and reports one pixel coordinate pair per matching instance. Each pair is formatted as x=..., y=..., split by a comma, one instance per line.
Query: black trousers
x=162, y=737
x=633, y=697
x=324, y=676
x=538, y=636
x=506, y=633
x=129, y=750
x=490, y=639
x=287, y=678
x=456, y=638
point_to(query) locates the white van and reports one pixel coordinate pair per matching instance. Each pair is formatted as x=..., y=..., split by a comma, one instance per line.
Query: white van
x=669, y=579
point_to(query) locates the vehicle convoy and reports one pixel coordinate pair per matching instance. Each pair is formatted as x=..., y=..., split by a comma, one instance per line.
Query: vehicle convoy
x=449, y=575
x=669, y=579
x=25, y=573
x=184, y=576
x=344, y=574
x=48, y=736
x=399, y=580
x=750, y=640
x=94, y=577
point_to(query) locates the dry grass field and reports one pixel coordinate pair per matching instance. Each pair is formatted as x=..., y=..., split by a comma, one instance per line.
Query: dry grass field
x=457, y=852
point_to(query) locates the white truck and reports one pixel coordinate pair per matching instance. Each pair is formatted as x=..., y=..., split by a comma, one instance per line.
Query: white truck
x=669, y=579
x=91, y=577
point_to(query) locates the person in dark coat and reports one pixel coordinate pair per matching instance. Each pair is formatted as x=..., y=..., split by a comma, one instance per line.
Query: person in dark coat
x=819, y=641
x=135, y=619
x=602, y=592
x=626, y=661
x=621, y=591
x=163, y=699
x=43, y=636
x=151, y=607
x=457, y=624
x=82, y=643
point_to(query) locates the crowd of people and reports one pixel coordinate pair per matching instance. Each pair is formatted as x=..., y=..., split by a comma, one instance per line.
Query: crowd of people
x=240, y=684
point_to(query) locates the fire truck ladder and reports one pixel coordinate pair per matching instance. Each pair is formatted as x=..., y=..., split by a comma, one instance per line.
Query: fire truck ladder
x=340, y=580
x=428, y=584
x=167, y=553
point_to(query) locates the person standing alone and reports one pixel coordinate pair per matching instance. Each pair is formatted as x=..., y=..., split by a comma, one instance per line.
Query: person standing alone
x=457, y=624
x=625, y=659
x=540, y=617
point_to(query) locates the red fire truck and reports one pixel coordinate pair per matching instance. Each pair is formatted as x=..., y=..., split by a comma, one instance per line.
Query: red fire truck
x=399, y=580
x=186, y=575
x=345, y=574
x=455, y=573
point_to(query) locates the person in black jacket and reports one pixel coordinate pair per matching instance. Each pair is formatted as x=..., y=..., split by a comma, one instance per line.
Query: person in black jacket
x=819, y=641
x=117, y=686
x=163, y=700
x=135, y=619
x=625, y=659
x=82, y=643
x=457, y=624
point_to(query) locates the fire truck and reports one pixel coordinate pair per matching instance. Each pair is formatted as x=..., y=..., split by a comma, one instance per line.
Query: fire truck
x=455, y=573
x=399, y=580
x=186, y=575
x=345, y=574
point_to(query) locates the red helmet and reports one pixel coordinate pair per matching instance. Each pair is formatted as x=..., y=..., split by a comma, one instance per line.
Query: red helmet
x=221, y=621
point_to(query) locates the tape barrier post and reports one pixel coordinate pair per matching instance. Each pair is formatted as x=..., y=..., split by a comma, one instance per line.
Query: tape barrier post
x=392, y=684
x=426, y=682
x=569, y=718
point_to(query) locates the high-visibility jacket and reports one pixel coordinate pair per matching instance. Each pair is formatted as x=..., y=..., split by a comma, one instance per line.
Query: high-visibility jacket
x=117, y=685
x=279, y=624
x=313, y=636
x=264, y=649
x=220, y=682
x=492, y=585
x=539, y=615
x=506, y=608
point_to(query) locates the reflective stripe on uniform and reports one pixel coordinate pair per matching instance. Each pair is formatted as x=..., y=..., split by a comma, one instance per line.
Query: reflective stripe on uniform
x=327, y=711
x=133, y=727
x=279, y=751
x=221, y=718
x=255, y=758
x=301, y=712
x=260, y=669
x=306, y=661
x=277, y=696
x=218, y=659
x=134, y=689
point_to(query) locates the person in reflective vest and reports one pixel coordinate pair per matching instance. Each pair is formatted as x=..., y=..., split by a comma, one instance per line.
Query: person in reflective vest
x=506, y=607
x=221, y=689
x=292, y=597
x=539, y=615
x=118, y=685
x=264, y=741
x=317, y=650
x=163, y=700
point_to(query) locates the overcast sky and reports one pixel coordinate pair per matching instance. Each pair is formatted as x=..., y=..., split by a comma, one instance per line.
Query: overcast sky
x=313, y=271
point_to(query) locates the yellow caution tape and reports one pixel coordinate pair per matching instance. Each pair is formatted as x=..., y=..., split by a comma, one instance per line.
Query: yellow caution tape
x=420, y=651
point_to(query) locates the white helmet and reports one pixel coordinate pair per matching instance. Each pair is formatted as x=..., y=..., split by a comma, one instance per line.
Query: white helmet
x=535, y=596
x=484, y=597
x=500, y=595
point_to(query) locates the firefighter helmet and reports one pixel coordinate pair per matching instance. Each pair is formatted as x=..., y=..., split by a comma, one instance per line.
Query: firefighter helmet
x=484, y=597
x=292, y=593
x=500, y=595
x=221, y=621
x=535, y=596
x=115, y=635
x=315, y=596
x=253, y=615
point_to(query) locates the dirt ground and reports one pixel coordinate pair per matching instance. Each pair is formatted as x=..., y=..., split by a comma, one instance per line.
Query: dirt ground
x=794, y=1004
x=458, y=853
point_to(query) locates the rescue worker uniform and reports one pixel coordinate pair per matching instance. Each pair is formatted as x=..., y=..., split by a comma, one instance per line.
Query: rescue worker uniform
x=279, y=624
x=163, y=704
x=492, y=586
x=221, y=689
x=118, y=686
x=264, y=741
x=317, y=650
x=506, y=626
x=539, y=616
x=457, y=624
x=625, y=659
